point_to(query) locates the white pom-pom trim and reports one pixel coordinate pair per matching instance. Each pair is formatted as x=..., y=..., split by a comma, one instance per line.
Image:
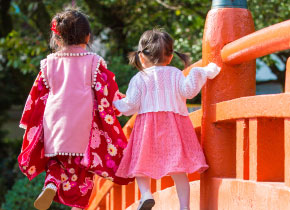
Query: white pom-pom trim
x=64, y=154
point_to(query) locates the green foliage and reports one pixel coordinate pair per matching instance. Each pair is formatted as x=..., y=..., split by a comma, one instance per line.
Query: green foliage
x=23, y=194
x=22, y=52
x=8, y=164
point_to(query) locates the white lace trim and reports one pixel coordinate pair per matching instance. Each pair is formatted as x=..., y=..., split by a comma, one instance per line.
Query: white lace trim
x=97, y=71
x=64, y=154
x=73, y=54
x=42, y=66
x=51, y=186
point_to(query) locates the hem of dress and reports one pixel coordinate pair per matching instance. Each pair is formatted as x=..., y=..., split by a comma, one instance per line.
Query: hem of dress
x=156, y=111
x=199, y=169
x=64, y=154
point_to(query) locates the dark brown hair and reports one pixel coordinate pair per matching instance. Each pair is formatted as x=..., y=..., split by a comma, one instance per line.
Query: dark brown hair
x=156, y=45
x=72, y=28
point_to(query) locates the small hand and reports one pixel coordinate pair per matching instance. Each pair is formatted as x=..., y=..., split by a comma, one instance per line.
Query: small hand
x=212, y=70
x=122, y=95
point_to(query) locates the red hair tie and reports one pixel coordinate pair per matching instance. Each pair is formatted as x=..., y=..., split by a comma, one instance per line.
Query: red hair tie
x=53, y=27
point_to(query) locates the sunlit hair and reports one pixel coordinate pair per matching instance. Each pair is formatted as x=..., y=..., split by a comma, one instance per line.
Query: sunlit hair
x=72, y=28
x=157, y=46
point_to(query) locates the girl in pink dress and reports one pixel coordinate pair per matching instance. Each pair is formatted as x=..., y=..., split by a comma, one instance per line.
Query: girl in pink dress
x=71, y=128
x=163, y=141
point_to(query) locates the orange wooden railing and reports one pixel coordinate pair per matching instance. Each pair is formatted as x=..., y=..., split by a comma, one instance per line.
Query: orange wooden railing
x=257, y=134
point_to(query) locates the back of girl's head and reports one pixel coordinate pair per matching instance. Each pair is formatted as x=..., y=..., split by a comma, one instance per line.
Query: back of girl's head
x=69, y=27
x=157, y=46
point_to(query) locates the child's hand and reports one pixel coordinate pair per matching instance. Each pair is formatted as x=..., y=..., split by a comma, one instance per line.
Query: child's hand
x=122, y=95
x=212, y=70
x=118, y=96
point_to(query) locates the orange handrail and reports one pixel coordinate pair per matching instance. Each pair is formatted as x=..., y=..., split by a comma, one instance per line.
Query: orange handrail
x=263, y=42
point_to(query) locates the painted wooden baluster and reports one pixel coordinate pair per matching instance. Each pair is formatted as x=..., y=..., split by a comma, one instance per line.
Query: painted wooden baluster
x=158, y=185
x=108, y=201
x=253, y=147
x=116, y=197
x=266, y=149
x=242, y=150
x=287, y=131
x=287, y=152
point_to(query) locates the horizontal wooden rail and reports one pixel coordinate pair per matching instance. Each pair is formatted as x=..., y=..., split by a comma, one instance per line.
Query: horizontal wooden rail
x=195, y=118
x=263, y=42
x=253, y=107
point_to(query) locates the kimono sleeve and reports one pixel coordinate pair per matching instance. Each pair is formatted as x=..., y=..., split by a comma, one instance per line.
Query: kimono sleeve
x=31, y=160
x=39, y=89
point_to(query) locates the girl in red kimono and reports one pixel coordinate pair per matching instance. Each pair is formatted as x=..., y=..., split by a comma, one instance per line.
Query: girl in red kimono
x=71, y=128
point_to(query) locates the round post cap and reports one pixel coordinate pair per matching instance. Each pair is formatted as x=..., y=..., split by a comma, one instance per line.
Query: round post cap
x=229, y=4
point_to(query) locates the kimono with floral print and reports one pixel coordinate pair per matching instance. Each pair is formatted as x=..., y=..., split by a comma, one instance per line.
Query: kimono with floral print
x=107, y=140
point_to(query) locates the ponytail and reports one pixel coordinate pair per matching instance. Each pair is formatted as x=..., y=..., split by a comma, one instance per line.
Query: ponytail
x=134, y=60
x=185, y=58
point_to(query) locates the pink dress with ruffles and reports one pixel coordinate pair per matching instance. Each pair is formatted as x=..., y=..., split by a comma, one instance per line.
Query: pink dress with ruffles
x=163, y=140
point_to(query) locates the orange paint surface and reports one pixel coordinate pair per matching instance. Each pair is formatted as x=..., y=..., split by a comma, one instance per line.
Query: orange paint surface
x=223, y=26
x=263, y=42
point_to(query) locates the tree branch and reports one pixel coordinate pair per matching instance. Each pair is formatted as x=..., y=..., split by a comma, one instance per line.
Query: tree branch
x=280, y=74
x=168, y=6
x=38, y=15
x=5, y=20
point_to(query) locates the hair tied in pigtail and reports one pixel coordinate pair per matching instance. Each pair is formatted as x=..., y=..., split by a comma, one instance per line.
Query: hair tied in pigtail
x=185, y=58
x=134, y=59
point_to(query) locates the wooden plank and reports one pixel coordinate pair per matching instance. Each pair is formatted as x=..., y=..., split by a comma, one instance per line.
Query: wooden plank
x=253, y=148
x=240, y=139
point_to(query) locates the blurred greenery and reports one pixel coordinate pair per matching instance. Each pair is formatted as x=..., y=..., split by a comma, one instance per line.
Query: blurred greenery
x=23, y=194
x=117, y=24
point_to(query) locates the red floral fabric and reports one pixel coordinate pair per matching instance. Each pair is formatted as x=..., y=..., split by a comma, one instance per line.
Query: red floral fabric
x=31, y=159
x=107, y=140
x=73, y=181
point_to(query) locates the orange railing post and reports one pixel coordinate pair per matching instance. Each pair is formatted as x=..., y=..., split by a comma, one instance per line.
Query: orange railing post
x=223, y=25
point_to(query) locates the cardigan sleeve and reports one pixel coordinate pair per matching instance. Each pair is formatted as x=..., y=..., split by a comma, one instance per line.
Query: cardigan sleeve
x=191, y=85
x=131, y=103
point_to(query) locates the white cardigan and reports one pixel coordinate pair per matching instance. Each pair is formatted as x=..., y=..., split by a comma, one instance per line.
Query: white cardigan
x=164, y=88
